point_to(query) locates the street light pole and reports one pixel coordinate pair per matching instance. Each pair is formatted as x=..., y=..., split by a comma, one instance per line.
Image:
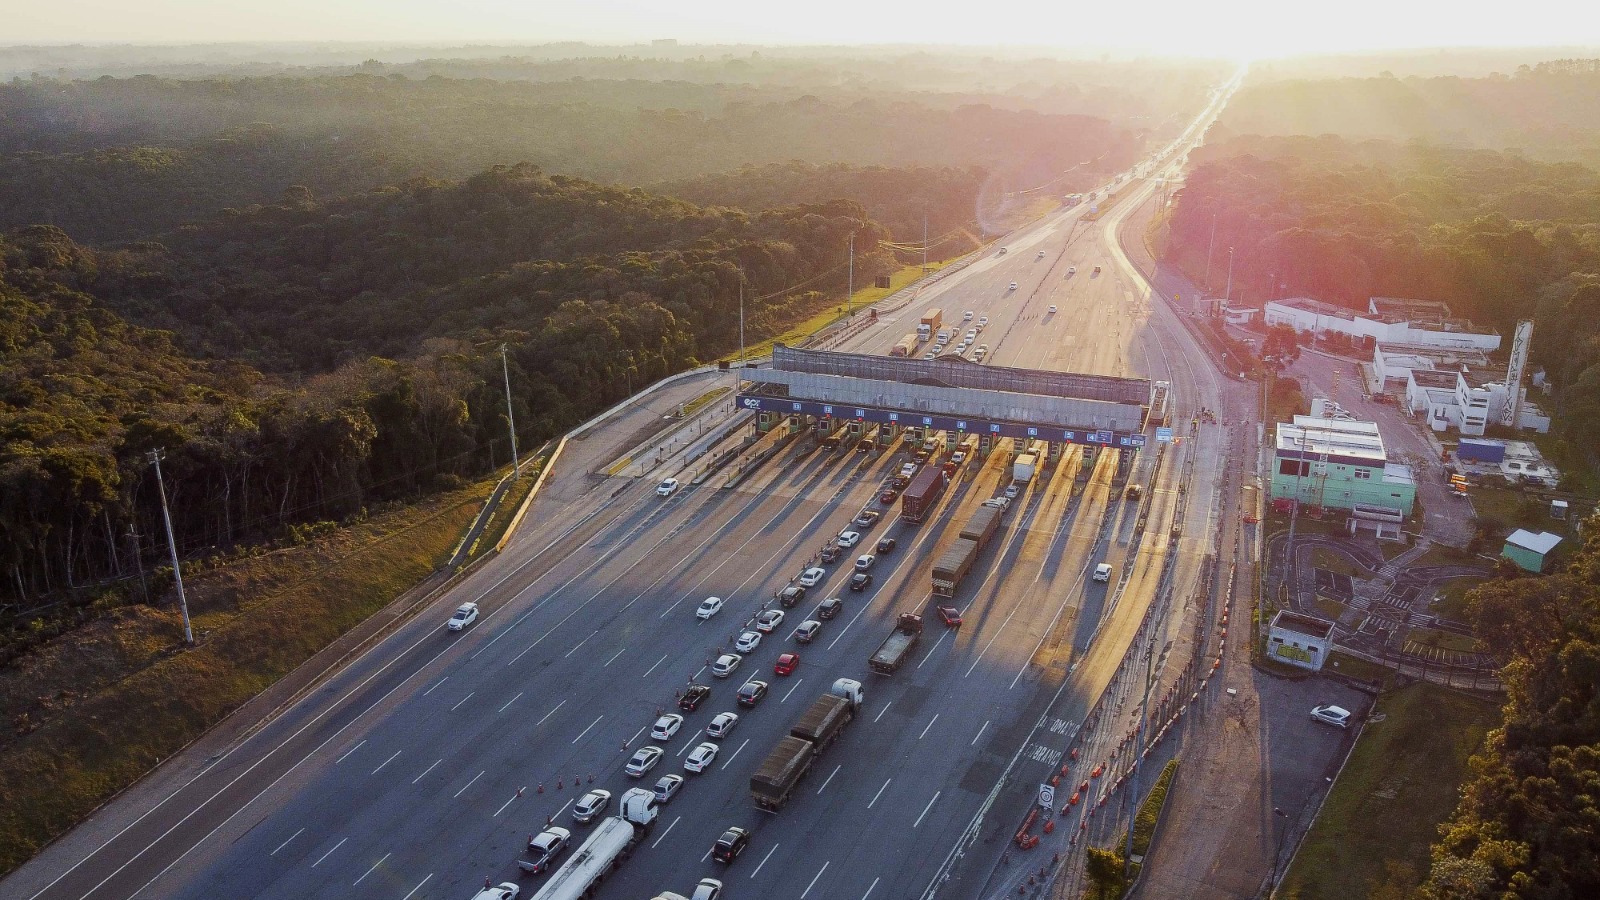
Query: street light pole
x=511, y=422
x=1227, y=294
x=850, y=289
x=1211, y=250
x=1277, y=852
x=172, y=547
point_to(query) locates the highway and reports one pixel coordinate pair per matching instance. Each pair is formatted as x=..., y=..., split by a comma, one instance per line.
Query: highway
x=421, y=768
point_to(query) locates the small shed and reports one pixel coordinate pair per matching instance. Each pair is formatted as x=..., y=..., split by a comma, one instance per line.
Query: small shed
x=1300, y=640
x=1529, y=550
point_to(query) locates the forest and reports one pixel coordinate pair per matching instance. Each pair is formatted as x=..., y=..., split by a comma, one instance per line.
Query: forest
x=1497, y=236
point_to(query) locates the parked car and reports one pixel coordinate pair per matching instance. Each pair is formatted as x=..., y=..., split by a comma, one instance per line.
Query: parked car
x=709, y=607
x=665, y=488
x=807, y=631
x=730, y=845
x=465, y=615
x=590, y=806
x=644, y=759
x=701, y=758
x=748, y=641
x=829, y=608
x=751, y=693
x=786, y=664
x=666, y=727
x=1328, y=714
x=693, y=696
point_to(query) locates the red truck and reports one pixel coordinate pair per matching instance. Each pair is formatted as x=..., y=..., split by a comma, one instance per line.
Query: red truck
x=923, y=492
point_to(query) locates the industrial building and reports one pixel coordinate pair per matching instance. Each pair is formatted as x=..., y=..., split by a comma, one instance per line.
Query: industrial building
x=1338, y=464
x=1528, y=550
x=1423, y=323
x=1300, y=640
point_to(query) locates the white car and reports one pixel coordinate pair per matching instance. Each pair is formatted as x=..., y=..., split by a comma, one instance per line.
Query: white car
x=1052, y=309
x=931, y=354
x=590, y=806
x=769, y=620
x=865, y=561
x=644, y=759
x=722, y=725
x=707, y=889
x=908, y=469
x=709, y=607
x=666, y=488
x=726, y=665
x=667, y=787
x=848, y=539
x=505, y=890
x=972, y=335
x=1012, y=490
x=1327, y=713
x=983, y=321
x=748, y=641
x=466, y=614
x=666, y=726
x=701, y=758
x=813, y=576
x=1013, y=285
x=1041, y=254
x=1072, y=270
x=1102, y=572
x=966, y=316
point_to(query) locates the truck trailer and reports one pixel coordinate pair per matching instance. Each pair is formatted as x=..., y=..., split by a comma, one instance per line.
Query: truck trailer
x=923, y=492
x=905, y=346
x=1024, y=467
x=607, y=847
x=981, y=527
x=897, y=647
x=819, y=726
x=930, y=322
x=952, y=566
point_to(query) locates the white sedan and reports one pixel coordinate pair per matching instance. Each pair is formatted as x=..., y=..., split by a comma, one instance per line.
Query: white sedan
x=666, y=488
x=813, y=576
x=701, y=758
x=709, y=607
x=848, y=539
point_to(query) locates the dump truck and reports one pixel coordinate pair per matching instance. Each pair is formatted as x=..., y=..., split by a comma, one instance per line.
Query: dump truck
x=817, y=729
x=923, y=492
x=905, y=346
x=607, y=847
x=897, y=647
x=930, y=322
x=952, y=566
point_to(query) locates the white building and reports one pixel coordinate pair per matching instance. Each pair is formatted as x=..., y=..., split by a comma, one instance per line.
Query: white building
x=1425, y=323
x=1467, y=401
x=1300, y=640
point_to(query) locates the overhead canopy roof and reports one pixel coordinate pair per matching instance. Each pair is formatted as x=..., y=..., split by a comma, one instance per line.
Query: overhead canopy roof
x=961, y=373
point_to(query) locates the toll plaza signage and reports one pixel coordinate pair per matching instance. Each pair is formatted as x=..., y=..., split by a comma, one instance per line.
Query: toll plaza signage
x=789, y=406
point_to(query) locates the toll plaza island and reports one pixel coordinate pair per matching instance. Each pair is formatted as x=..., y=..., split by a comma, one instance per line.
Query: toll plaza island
x=849, y=397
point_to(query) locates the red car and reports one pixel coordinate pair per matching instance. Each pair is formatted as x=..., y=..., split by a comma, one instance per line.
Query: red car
x=786, y=664
x=951, y=616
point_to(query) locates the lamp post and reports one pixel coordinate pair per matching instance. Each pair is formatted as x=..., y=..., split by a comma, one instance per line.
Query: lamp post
x=172, y=547
x=1227, y=294
x=1277, y=852
x=850, y=283
x=511, y=422
x=1211, y=249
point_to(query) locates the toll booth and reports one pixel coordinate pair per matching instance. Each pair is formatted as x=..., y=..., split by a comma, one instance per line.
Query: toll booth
x=824, y=427
x=913, y=435
x=887, y=433
x=797, y=424
x=1055, y=452
x=765, y=422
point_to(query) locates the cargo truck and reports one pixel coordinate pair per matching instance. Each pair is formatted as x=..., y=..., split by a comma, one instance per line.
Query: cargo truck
x=1023, y=468
x=983, y=524
x=904, y=346
x=607, y=847
x=923, y=492
x=930, y=322
x=897, y=647
x=833, y=440
x=816, y=730
x=952, y=566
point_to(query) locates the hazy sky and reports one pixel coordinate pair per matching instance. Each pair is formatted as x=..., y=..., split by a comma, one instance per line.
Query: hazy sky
x=1247, y=28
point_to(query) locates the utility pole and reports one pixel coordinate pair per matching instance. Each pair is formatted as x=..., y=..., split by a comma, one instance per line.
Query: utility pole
x=138, y=560
x=741, y=324
x=1227, y=294
x=1277, y=852
x=1211, y=250
x=1138, y=753
x=924, y=242
x=172, y=546
x=850, y=289
x=511, y=422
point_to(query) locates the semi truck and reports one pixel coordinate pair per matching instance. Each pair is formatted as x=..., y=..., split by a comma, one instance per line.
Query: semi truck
x=953, y=564
x=930, y=322
x=607, y=847
x=923, y=492
x=983, y=524
x=897, y=647
x=817, y=729
x=1024, y=467
x=904, y=346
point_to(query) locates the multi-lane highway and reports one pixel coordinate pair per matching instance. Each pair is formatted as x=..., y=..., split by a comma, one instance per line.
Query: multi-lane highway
x=421, y=768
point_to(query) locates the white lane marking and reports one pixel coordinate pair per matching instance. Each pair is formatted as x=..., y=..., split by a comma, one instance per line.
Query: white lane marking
x=586, y=730
x=614, y=658
x=791, y=689
x=635, y=737
x=329, y=853
x=830, y=777
x=882, y=711
x=385, y=763
x=980, y=732
x=510, y=801
x=435, y=685
x=563, y=809
x=461, y=701
x=656, y=666
x=430, y=878
x=687, y=746
x=929, y=725
x=870, y=888
x=764, y=860
x=371, y=870
x=469, y=784
x=926, y=808
x=665, y=833
x=427, y=770
x=924, y=660
x=879, y=793
x=512, y=700
x=814, y=879
x=580, y=644
x=350, y=751
x=550, y=713
x=696, y=676
x=286, y=843
x=735, y=754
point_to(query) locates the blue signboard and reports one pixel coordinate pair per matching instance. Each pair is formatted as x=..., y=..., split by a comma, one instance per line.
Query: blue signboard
x=1164, y=435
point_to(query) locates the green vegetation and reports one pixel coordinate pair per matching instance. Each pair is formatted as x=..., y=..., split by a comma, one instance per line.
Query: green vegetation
x=698, y=403
x=1104, y=866
x=1401, y=781
x=1356, y=667
x=256, y=620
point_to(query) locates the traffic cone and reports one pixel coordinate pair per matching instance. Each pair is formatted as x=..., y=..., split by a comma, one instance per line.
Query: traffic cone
x=541, y=787
x=559, y=784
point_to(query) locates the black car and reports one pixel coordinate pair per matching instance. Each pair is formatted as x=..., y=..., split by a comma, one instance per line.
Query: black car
x=899, y=482
x=752, y=692
x=791, y=595
x=830, y=553
x=730, y=845
x=693, y=697
x=830, y=608
x=886, y=545
x=860, y=581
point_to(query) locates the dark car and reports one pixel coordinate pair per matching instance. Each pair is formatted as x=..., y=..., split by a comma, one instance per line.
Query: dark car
x=860, y=581
x=791, y=595
x=693, y=697
x=830, y=608
x=830, y=553
x=888, y=496
x=899, y=482
x=752, y=692
x=886, y=545
x=950, y=616
x=730, y=845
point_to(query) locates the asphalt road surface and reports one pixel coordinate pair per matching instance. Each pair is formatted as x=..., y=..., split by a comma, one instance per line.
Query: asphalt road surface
x=421, y=768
